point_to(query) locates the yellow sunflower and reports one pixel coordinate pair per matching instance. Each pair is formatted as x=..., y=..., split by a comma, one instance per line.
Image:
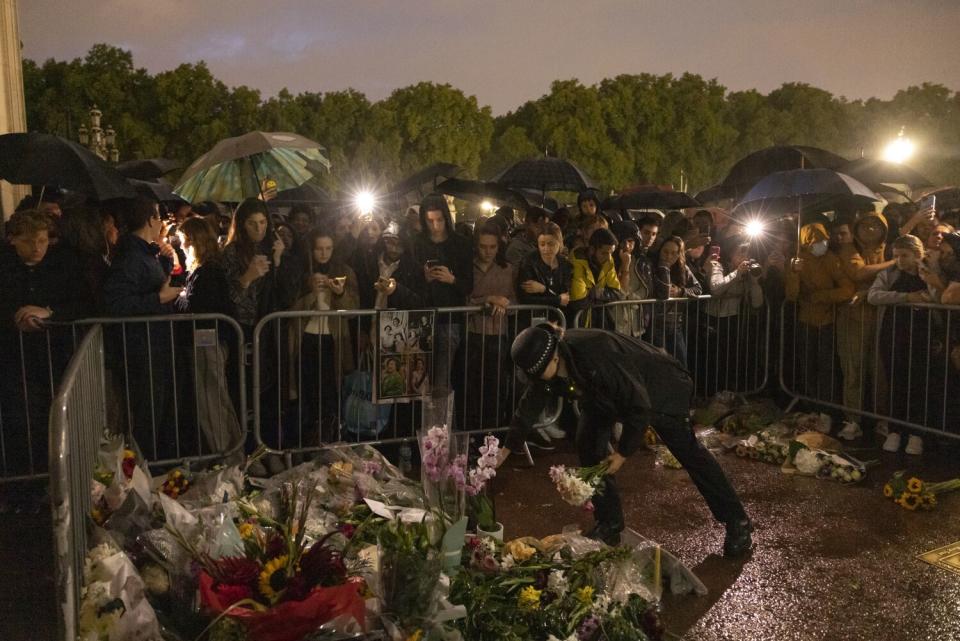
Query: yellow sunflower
x=246, y=530
x=928, y=501
x=529, y=599
x=910, y=501
x=915, y=485
x=273, y=579
x=888, y=491
x=585, y=595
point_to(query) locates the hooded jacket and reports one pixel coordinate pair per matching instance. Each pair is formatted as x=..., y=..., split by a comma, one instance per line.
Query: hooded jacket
x=615, y=375
x=821, y=284
x=854, y=257
x=455, y=253
x=584, y=282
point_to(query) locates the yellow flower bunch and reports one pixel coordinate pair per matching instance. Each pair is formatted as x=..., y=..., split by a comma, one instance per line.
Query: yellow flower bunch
x=246, y=530
x=650, y=437
x=529, y=599
x=519, y=550
x=585, y=595
x=914, y=493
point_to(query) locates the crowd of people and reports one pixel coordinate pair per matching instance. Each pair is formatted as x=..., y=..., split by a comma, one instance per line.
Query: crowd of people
x=847, y=275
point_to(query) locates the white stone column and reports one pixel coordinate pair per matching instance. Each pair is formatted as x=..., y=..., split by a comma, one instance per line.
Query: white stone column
x=13, y=115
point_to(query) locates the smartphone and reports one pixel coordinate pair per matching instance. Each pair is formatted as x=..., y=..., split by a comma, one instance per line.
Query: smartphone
x=269, y=184
x=928, y=202
x=714, y=252
x=433, y=262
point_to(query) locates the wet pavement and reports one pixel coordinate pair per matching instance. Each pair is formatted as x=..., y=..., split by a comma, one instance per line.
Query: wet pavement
x=831, y=562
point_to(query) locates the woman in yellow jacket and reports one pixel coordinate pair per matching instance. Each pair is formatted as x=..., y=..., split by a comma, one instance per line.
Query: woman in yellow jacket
x=817, y=282
x=595, y=279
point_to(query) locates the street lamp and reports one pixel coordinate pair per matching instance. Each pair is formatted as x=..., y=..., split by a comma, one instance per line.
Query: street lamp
x=101, y=142
x=899, y=150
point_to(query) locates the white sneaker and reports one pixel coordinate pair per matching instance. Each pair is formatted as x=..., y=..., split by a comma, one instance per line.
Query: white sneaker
x=914, y=446
x=850, y=431
x=882, y=428
x=555, y=432
x=892, y=444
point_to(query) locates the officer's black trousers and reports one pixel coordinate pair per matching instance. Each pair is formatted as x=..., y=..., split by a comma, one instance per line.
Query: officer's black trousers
x=593, y=435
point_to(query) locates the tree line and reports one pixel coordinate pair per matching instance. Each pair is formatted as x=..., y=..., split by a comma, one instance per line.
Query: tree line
x=626, y=130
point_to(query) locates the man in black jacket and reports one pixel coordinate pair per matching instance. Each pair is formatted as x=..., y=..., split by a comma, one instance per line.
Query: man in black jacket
x=138, y=284
x=446, y=259
x=39, y=285
x=620, y=378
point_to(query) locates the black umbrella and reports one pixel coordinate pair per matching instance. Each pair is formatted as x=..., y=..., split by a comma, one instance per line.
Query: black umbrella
x=651, y=200
x=545, y=174
x=477, y=190
x=45, y=159
x=875, y=173
x=751, y=168
x=716, y=193
x=158, y=190
x=430, y=174
x=306, y=193
x=148, y=169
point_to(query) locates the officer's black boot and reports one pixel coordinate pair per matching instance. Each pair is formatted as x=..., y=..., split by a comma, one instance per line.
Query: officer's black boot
x=608, y=513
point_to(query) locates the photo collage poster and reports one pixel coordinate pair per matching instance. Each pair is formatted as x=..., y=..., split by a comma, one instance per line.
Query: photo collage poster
x=404, y=355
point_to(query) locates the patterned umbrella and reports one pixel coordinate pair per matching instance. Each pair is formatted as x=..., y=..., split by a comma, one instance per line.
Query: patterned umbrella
x=233, y=168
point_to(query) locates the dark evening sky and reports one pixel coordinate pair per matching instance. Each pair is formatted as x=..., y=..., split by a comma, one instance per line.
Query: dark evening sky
x=506, y=52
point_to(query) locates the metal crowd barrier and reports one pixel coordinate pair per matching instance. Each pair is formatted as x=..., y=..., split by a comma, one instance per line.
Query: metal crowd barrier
x=895, y=363
x=77, y=418
x=176, y=382
x=730, y=353
x=310, y=385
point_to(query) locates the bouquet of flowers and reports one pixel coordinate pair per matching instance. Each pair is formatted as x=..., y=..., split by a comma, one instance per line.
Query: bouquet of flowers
x=265, y=573
x=769, y=446
x=545, y=589
x=119, y=480
x=112, y=609
x=827, y=465
x=447, y=479
x=912, y=493
x=578, y=485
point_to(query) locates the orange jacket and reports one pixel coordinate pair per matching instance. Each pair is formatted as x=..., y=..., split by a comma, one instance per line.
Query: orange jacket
x=821, y=283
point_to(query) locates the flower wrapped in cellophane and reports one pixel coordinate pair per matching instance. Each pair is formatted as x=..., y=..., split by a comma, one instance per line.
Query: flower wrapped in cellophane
x=913, y=493
x=578, y=485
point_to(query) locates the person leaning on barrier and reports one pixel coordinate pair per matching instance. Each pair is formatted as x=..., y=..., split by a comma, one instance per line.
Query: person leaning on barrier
x=910, y=347
x=862, y=251
x=544, y=275
x=595, y=279
x=672, y=279
x=620, y=378
x=39, y=284
x=817, y=282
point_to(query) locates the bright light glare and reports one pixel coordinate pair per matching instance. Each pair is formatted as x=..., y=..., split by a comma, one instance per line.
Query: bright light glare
x=365, y=202
x=899, y=150
x=488, y=206
x=754, y=228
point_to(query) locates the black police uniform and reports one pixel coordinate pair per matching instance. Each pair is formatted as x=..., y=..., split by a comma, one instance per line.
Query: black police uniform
x=620, y=378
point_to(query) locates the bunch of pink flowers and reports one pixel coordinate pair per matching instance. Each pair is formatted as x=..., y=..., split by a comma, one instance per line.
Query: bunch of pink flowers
x=439, y=466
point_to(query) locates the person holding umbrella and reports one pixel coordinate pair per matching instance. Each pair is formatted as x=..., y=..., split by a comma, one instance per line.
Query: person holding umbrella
x=620, y=378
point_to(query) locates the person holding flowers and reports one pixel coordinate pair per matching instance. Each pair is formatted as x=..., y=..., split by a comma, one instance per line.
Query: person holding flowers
x=620, y=378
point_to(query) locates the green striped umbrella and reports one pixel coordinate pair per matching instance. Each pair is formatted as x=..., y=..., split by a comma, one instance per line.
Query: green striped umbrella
x=233, y=169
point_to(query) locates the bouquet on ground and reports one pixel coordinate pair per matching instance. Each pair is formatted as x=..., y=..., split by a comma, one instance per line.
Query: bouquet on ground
x=827, y=465
x=578, y=485
x=262, y=578
x=119, y=481
x=557, y=588
x=771, y=445
x=913, y=493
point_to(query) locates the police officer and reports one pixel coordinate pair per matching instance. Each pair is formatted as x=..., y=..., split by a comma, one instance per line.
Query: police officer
x=620, y=378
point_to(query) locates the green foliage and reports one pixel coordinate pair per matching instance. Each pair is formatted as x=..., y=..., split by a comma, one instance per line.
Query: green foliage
x=626, y=130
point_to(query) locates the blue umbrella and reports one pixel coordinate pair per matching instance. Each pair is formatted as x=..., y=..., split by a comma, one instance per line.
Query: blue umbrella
x=805, y=191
